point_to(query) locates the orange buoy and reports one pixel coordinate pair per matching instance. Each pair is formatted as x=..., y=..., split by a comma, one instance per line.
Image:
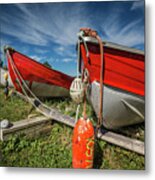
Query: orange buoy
x=83, y=144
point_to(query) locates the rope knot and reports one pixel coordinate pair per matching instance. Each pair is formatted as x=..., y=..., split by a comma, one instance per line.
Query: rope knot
x=89, y=32
x=92, y=33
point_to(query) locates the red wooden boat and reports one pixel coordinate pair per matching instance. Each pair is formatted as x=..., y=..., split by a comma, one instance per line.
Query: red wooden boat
x=123, y=81
x=42, y=81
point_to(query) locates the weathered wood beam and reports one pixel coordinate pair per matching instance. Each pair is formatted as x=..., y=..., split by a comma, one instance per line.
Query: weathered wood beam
x=123, y=141
x=30, y=127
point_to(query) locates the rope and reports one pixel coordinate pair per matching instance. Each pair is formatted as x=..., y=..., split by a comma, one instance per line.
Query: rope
x=23, y=90
x=15, y=70
x=84, y=105
x=78, y=61
x=80, y=34
x=23, y=81
x=92, y=33
x=1, y=134
x=77, y=113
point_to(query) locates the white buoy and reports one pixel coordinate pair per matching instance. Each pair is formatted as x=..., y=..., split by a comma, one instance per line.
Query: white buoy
x=77, y=90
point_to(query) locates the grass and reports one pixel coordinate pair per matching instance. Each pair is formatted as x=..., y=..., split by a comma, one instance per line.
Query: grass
x=14, y=108
x=54, y=151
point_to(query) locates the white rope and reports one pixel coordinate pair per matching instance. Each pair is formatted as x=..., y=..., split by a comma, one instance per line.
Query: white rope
x=78, y=59
x=23, y=81
x=77, y=113
x=19, y=81
x=1, y=134
x=29, y=99
x=80, y=35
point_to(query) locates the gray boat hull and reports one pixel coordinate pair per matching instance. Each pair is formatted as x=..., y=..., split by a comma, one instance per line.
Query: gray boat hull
x=119, y=108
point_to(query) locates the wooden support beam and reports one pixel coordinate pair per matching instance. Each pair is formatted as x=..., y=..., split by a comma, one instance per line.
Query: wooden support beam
x=123, y=141
x=29, y=127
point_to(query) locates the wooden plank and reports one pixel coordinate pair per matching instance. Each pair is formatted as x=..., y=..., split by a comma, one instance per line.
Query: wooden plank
x=30, y=127
x=123, y=141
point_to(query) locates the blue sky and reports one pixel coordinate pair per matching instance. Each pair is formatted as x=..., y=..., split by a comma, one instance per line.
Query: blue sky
x=48, y=31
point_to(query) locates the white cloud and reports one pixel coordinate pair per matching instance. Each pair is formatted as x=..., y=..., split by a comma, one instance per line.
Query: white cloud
x=38, y=58
x=4, y=41
x=66, y=51
x=132, y=34
x=137, y=5
x=40, y=51
x=45, y=24
x=128, y=34
x=67, y=60
x=61, y=50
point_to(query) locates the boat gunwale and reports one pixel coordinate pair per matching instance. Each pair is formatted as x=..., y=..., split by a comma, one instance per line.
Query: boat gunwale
x=51, y=69
x=113, y=45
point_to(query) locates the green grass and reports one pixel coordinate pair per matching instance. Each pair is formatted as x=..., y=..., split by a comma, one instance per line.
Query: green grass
x=54, y=150
x=14, y=108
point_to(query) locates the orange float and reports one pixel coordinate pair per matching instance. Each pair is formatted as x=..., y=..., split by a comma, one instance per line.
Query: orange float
x=83, y=144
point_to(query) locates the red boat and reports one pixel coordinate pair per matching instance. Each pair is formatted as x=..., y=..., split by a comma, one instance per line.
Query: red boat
x=42, y=81
x=123, y=81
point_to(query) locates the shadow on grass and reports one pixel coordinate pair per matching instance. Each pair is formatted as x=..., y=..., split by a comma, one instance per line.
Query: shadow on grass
x=98, y=154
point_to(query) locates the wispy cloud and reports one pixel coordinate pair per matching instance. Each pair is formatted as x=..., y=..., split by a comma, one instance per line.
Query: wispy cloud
x=3, y=42
x=40, y=51
x=48, y=31
x=66, y=51
x=139, y=4
x=67, y=60
x=124, y=31
x=38, y=58
x=50, y=23
x=131, y=34
x=57, y=24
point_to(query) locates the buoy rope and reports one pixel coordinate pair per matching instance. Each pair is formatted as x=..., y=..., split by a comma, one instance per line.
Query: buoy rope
x=92, y=33
x=78, y=59
x=84, y=105
x=77, y=113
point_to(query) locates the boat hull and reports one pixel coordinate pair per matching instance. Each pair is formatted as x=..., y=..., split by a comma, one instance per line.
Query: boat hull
x=124, y=68
x=123, y=81
x=46, y=90
x=119, y=108
x=41, y=80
